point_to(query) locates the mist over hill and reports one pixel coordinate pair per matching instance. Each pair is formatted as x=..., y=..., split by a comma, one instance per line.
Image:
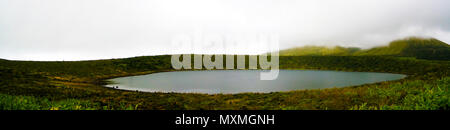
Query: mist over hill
x=421, y=48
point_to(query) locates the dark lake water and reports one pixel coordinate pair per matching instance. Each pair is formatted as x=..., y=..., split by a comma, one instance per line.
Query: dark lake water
x=240, y=81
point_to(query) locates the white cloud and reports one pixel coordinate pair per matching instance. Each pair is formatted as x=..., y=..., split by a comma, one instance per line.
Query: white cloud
x=93, y=29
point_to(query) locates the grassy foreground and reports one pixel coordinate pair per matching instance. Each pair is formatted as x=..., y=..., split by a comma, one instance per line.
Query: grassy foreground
x=27, y=85
x=412, y=95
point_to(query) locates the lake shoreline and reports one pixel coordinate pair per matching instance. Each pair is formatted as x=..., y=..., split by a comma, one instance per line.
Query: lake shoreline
x=112, y=84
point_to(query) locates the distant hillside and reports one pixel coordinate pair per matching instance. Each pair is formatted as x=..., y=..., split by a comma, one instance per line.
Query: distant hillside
x=420, y=48
x=319, y=51
x=413, y=47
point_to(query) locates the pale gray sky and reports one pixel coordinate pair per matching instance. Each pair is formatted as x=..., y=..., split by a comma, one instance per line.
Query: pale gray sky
x=98, y=29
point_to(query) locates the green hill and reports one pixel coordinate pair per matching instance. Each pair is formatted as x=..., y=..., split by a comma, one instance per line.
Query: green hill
x=413, y=47
x=420, y=48
x=319, y=51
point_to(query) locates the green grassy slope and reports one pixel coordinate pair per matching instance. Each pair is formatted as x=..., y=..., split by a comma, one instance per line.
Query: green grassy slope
x=420, y=48
x=89, y=71
x=319, y=51
x=413, y=47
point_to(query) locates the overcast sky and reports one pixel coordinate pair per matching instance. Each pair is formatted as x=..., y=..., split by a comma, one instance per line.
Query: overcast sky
x=99, y=29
